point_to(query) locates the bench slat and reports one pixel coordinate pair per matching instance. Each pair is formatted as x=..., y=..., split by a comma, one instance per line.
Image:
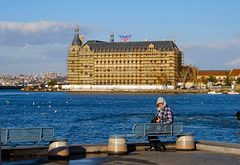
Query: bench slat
x=35, y=134
x=156, y=129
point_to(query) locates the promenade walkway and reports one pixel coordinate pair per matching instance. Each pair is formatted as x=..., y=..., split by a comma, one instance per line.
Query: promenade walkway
x=207, y=153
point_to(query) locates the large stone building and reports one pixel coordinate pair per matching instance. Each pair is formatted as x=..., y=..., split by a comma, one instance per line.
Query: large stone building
x=123, y=63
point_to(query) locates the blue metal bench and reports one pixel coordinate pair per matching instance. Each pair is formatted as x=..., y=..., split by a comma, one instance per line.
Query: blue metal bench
x=142, y=130
x=37, y=134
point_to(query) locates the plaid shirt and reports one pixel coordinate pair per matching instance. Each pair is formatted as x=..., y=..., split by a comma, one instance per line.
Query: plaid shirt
x=166, y=115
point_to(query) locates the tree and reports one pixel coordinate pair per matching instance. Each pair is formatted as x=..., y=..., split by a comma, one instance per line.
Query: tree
x=183, y=75
x=228, y=80
x=204, y=80
x=193, y=74
x=212, y=78
x=52, y=82
x=162, y=79
x=238, y=80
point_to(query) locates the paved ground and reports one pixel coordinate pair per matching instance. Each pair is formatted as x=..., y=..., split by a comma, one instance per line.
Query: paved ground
x=168, y=158
x=144, y=158
x=208, y=153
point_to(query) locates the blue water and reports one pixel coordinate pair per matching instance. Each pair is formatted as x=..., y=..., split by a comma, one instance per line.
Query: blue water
x=91, y=118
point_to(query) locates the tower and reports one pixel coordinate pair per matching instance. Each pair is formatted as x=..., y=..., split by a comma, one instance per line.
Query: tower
x=73, y=59
x=76, y=41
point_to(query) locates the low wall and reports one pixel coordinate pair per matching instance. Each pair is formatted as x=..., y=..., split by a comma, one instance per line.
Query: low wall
x=115, y=87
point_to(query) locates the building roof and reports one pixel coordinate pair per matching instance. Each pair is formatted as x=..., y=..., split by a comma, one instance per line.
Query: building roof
x=235, y=72
x=76, y=41
x=213, y=72
x=167, y=45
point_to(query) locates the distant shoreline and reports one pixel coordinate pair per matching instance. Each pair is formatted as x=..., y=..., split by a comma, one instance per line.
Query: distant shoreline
x=11, y=87
x=168, y=91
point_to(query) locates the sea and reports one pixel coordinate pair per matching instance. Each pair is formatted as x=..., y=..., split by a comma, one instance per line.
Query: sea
x=89, y=118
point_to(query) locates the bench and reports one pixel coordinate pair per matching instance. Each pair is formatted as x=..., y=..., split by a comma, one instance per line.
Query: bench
x=141, y=130
x=35, y=134
x=184, y=141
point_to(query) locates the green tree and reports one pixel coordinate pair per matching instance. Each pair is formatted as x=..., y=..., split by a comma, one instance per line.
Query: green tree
x=228, y=80
x=212, y=78
x=52, y=82
x=238, y=80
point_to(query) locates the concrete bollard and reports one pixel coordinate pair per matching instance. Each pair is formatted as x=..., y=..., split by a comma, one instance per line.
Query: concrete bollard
x=58, y=149
x=117, y=144
x=185, y=142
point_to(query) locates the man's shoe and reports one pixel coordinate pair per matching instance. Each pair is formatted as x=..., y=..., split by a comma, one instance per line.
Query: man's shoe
x=161, y=147
x=150, y=149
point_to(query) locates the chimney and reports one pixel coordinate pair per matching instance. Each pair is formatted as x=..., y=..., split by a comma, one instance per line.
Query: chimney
x=111, y=37
x=82, y=39
x=174, y=41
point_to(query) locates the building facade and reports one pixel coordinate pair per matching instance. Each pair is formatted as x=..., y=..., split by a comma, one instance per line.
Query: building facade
x=123, y=63
x=220, y=75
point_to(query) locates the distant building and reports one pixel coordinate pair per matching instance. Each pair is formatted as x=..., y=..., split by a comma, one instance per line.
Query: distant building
x=220, y=75
x=123, y=63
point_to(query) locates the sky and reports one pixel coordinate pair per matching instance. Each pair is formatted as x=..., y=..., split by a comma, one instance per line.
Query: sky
x=35, y=35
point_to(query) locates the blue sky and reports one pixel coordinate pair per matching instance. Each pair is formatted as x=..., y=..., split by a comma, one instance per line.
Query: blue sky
x=35, y=35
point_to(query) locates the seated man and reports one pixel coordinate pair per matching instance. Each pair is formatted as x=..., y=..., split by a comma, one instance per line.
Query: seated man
x=164, y=115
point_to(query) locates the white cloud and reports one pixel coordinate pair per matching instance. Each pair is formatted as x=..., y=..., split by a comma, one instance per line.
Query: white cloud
x=219, y=45
x=37, y=46
x=234, y=62
x=37, y=27
x=214, y=54
x=42, y=32
x=33, y=58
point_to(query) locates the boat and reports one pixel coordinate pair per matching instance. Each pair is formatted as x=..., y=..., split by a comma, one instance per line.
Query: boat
x=233, y=93
x=214, y=93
